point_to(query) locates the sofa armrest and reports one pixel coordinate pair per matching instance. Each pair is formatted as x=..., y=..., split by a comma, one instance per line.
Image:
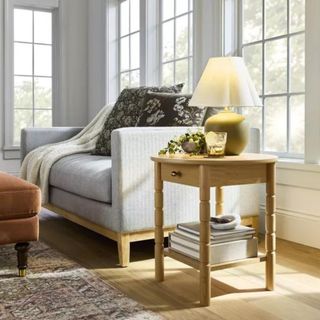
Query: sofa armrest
x=132, y=174
x=132, y=179
x=32, y=138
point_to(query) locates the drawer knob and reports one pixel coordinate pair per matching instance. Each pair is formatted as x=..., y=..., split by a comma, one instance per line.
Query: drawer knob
x=175, y=173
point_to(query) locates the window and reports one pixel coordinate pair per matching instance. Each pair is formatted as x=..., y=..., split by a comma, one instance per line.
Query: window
x=176, y=42
x=273, y=47
x=32, y=75
x=29, y=67
x=150, y=42
x=129, y=43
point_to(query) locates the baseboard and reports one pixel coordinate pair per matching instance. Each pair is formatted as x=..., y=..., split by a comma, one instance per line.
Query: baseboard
x=298, y=227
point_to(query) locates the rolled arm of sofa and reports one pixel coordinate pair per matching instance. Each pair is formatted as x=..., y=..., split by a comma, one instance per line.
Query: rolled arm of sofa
x=32, y=138
x=132, y=180
x=132, y=175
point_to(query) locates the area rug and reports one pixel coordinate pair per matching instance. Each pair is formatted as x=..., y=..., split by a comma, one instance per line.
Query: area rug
x=57, y=288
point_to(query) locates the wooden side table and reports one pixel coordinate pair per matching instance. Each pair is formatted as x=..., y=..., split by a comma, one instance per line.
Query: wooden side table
x=205, y=173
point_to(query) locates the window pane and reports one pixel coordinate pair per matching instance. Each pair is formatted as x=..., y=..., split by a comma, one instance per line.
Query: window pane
x=124, y=80
x=297, y=124
x=254, y=116
x=276, y=66
x=182, y=73
x=276, y=17
x=253, y=59
x=297, y=15
x=22, y=25
x=135, y=51
x=43, y=118
x=135, y=78
x=124, y=62
x=134, y=15
x=181, y=6
x=252, y=20
x=182, y=37
x=42, y=92
x=43, y=27
x=23, y=59
x=167, y=9
x=191, y=5
x=124, y=17
x=42, y=60
x=22, y=119
x=167, y=41
x=23, y=92
x=297, y=63
x=276, y=124
x=167, y=74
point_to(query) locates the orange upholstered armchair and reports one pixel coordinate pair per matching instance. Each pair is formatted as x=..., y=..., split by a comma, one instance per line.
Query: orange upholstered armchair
x=20, y=203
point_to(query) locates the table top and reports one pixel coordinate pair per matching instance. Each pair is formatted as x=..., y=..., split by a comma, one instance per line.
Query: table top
x=244, y=158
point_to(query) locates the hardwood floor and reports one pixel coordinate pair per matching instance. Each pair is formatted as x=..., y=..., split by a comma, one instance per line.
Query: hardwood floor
x=238, y=292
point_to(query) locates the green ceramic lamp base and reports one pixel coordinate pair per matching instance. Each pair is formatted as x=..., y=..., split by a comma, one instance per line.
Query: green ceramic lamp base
x=236, y=127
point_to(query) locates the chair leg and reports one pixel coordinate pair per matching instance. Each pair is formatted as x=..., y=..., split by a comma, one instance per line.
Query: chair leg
x=124, y=249
x=22, y=253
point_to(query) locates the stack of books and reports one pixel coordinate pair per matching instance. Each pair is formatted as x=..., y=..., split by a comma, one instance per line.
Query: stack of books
x=226, y=245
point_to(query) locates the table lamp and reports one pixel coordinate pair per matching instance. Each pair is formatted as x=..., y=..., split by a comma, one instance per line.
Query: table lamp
x=226, y=83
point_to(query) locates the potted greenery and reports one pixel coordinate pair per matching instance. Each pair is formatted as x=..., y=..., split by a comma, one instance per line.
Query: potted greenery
x=190, y=142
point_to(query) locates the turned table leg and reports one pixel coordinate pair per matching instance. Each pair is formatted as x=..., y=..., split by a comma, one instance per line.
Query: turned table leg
x=158, y=203
x=205, y=280
x=22, y=253
x=270, y=221
x=219, y=201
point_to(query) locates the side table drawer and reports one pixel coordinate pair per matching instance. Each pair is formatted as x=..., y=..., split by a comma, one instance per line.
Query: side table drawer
x=179, y=173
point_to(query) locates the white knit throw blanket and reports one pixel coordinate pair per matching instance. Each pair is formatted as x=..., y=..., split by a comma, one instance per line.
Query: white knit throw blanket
x=36, y=166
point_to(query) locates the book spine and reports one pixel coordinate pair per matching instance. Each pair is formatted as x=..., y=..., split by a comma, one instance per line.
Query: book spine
x=223, y=238
x=223, y=252
x=216, y=234
x=194, y=243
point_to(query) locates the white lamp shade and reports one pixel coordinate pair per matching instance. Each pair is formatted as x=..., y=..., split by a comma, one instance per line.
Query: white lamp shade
x=225, y=82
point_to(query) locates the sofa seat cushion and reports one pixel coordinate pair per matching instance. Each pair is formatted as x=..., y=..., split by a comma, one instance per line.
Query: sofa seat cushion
x=19, y=199
x=84, y=174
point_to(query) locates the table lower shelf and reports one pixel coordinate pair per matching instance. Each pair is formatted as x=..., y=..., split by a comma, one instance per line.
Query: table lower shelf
x=196, y=264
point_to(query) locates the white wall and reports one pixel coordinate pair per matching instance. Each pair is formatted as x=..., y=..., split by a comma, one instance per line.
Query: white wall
x=72, y=107
x=297, y=203
x=96, y=56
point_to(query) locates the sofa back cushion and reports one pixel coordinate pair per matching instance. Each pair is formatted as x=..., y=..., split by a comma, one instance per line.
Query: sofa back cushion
x=210, y=112
x=126, y=112
x=166, y=110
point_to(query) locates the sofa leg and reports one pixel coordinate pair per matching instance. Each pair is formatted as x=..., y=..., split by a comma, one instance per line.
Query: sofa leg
x=22, y=253
x=124, y=249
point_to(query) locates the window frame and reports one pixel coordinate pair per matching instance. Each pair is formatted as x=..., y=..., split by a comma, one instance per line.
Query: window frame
x=191, y=48
x=207, y=15
x=288, y=93
x=129, y=35
x=11, y=151
x=150, y=46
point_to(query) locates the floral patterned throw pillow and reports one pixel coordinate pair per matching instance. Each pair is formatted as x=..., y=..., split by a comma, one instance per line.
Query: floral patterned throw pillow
x=163, y=109
x=125, y=113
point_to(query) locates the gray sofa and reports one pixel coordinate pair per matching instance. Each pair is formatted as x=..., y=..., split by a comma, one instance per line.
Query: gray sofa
x=114, y=195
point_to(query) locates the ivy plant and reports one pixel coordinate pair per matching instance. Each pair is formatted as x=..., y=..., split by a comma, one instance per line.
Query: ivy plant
x=190, y=142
